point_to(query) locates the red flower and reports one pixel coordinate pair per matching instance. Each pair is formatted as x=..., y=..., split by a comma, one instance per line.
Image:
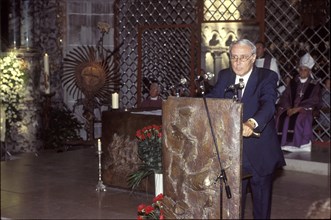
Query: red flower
x=149, y=127
x=149, y=132
x=149, y=209
x=140, y=135
x=156, y=127
x=158, y=198
x=154, y=211
x=141, y=207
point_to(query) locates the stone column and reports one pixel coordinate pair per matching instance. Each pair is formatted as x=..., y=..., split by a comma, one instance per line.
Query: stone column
x=26, y=24
x=221, y=61
x=14, y=24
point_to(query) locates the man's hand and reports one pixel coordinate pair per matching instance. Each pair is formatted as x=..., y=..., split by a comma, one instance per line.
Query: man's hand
x=248, y=128
x=293, y=111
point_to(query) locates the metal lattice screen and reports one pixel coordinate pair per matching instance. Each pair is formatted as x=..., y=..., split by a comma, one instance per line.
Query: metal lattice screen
x=290, y=35
x=133, y=14
x=229, y=10
x=285, y=35
x=292, y=28
x=166, y=57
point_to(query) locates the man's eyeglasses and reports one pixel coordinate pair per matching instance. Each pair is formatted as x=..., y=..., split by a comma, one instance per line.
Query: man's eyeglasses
x=242, y=58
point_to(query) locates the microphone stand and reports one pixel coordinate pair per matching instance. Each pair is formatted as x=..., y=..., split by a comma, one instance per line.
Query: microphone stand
x=222, y=175
x=235, y=97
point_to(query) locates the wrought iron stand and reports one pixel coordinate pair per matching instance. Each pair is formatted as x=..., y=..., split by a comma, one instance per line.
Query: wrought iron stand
x=100, y=186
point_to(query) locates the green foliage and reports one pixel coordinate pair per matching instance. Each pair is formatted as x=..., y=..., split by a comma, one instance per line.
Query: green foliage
x=63, y=126
x=150, y=154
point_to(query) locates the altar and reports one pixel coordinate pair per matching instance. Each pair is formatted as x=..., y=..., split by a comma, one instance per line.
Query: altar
x=199, y=146
x=119, y=157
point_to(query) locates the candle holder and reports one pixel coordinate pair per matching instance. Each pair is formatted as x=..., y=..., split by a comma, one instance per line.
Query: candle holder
x=46, y=105
x=100, y=186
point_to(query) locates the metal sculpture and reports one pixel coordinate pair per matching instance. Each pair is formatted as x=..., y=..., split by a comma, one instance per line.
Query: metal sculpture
x=90, y=74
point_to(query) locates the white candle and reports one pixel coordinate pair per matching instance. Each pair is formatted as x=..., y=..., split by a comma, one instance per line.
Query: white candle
x=114, y=100
x=2, y=123
x=46, y=75
x=14, y=6
x=99, y=145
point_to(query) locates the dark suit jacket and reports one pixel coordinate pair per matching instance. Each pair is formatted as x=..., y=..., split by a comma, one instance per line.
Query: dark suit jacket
x=263, y=153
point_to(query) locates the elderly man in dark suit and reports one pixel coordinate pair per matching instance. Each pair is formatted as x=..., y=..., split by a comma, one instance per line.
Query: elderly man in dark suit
x=261, y=155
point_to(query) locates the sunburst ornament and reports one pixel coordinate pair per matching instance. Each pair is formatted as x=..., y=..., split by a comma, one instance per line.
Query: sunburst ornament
x=90, y=75
x=87, y=73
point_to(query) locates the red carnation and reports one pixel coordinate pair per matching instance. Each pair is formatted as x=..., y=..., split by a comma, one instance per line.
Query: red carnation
x=149, y=209
x=141, y=207
x=149, y=127
x=158, y=198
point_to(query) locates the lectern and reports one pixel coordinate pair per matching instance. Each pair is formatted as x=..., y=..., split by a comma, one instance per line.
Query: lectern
x=190, y=160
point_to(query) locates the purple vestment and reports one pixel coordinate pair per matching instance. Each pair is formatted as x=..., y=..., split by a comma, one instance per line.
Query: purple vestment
x=149, y=103
x=306, y=95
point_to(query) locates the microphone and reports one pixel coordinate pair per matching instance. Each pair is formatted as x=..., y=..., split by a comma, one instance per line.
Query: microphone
x=179, y=88
x=237, y=86
x=206, y=76
x=183, y=81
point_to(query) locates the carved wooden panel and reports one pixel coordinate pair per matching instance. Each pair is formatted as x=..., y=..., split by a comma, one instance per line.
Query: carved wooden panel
x=119, y=146
x=190, y=161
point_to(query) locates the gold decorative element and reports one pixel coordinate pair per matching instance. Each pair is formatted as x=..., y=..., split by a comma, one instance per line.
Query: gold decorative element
x=91, y=75
x=103, y=27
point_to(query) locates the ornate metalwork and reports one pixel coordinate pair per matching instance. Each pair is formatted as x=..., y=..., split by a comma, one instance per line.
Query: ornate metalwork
x=166, y=58
x=229, y=10
x=289, y=37
x=134, y=14
x=90, y=75
x=283, y=34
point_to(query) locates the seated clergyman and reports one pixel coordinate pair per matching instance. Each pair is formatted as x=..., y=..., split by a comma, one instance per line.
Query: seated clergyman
x=154, y=100
x=295, y=108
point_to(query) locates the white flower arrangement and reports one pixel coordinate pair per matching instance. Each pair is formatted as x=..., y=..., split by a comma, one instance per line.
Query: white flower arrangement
x=12, y=81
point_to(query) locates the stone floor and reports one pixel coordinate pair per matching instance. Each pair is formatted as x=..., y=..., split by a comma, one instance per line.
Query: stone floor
x=61, y=185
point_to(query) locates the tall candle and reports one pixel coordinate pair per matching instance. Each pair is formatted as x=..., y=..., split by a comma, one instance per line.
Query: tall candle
x=114, y=100
x=99, y=145
x=46, y=74
x=2, y=123
x=26, y=24
x=14, y=22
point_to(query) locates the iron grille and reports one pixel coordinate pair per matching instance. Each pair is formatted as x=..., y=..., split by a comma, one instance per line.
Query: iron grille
x=289, y=38
x=229, y=10
x=166, y=57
